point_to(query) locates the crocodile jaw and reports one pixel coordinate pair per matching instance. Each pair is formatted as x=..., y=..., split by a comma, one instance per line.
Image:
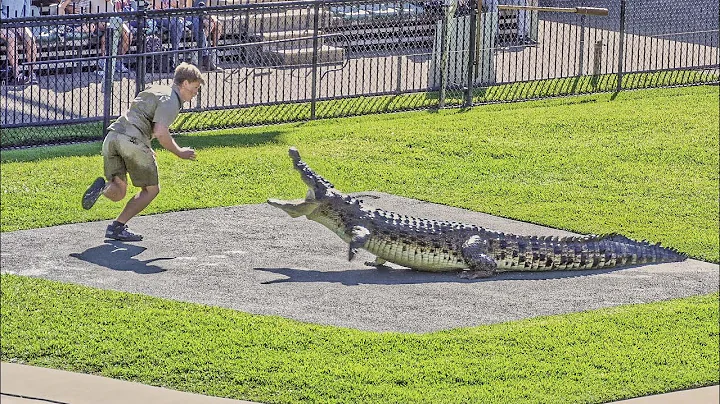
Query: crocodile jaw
x=296, y=208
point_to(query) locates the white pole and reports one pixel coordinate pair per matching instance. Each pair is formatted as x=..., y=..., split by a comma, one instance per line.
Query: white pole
x=576, y=10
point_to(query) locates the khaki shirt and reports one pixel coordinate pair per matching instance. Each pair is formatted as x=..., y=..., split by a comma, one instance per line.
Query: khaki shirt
x=157, y=104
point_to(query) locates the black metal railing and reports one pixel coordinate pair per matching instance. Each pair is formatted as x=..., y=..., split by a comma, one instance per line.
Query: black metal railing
x=308, y=59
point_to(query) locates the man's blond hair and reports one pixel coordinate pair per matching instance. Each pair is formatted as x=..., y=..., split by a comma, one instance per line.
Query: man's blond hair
x=186, y=71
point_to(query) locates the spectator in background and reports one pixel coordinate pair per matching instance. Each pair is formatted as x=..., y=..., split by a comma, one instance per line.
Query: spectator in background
x=174, y=26
x=102, y=6
x=11, y=36
x=205, y=27
x=523, y=21
x=200, y=27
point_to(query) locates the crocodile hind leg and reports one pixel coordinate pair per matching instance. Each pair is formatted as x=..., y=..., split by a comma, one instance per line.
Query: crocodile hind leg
x=377, y=263
x=480, y=265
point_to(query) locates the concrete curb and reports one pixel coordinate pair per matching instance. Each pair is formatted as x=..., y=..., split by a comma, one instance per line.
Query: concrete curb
x=704, y=395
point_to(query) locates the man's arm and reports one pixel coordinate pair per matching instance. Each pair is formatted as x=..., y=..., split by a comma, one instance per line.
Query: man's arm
x=162, y=134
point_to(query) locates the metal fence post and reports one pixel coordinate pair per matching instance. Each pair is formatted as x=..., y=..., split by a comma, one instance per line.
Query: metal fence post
x=597, y=58
x=398, y=78
x=140, y=59
x=472, y=43
x=444, y=45
x=581, y=62
x=197, y=34
x=108, y=79
x=316, y=23
x=621, y=47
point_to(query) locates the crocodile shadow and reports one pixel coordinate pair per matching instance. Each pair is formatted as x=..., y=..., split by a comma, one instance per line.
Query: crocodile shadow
x=119, y=256
x=401, y=276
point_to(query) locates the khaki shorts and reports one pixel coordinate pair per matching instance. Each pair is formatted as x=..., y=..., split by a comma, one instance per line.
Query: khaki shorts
x=127, y=155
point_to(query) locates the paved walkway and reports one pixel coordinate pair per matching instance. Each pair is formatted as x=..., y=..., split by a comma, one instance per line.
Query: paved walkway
x=21, y=384
x=705, y=395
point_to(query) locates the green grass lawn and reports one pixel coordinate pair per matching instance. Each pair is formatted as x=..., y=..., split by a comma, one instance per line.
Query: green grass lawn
x=644, y=164
x=588, y=357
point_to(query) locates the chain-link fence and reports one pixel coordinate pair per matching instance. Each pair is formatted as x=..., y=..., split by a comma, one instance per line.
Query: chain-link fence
x=297, y=60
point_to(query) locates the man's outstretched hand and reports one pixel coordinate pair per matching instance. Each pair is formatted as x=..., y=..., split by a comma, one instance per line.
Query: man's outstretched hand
x=186, y=153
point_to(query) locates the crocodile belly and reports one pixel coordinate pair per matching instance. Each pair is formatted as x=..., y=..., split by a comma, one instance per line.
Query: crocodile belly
x=421, y=258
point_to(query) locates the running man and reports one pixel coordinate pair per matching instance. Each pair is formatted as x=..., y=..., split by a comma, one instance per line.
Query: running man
x=127, y=148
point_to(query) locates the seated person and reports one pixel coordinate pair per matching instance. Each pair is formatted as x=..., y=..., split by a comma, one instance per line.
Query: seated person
x=101, y=6
x=200, y=27
x=11, y=36
x=523, y=22
x=210, y=29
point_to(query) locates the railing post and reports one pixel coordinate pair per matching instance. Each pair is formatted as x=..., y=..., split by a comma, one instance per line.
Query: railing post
x=597, y=62
x=140, y=59
x=108, y=79
x=198, y=34
x=472, y=44
x=316, y=23
x=621, y=47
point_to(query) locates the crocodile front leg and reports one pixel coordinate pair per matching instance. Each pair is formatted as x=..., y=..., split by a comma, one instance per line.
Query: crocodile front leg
x=360, y=235
x=480, y=265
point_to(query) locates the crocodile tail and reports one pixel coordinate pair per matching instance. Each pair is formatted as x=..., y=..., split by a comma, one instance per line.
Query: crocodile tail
x=641, y=252
x=583, y=252
x=312, y=179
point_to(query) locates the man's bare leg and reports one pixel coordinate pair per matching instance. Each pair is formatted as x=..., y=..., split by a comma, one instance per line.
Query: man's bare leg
x=138, y=203
x=9, y=36
x=30, y=47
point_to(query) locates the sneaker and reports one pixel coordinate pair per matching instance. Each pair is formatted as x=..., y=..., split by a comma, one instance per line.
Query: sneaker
x=93, y=193
x=33, y=79
x=525, y=40
x=18, y=80
x=210, y=66
x=121, y=233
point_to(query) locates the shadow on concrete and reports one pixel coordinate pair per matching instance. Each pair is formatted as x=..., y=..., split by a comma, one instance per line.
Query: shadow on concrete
x=392, y=276
x=547, y=275
x=354, y=277
x=119, y=256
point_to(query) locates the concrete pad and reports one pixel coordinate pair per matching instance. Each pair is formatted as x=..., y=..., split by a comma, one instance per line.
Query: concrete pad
x=256, y=259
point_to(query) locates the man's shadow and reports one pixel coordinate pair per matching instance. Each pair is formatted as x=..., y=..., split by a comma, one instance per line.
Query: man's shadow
x=119, y=256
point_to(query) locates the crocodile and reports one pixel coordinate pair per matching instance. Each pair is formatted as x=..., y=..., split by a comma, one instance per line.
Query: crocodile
x=443, y=246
